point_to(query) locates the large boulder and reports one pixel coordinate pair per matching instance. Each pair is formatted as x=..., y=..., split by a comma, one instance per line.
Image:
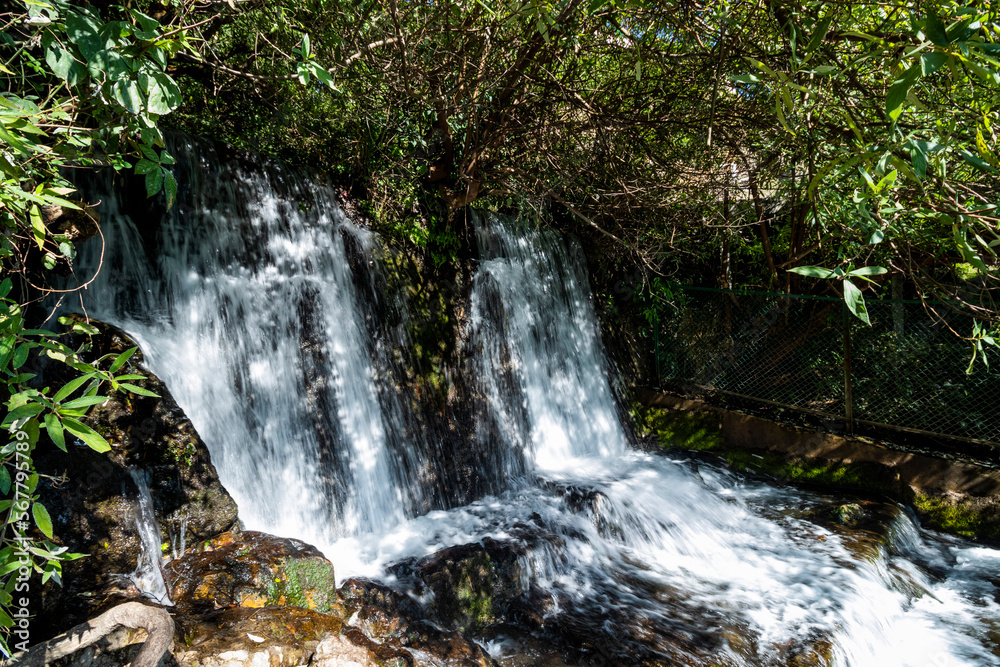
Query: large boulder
x=251, y=569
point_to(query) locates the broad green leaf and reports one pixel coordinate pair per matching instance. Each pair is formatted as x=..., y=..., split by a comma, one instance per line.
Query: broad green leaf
x=323, y=76
x=84, y=31
x=4, y=480
x=61, y=62
x=5, y=286
x=855, y=302
x=154, y=182
x=877, y=237
x=144, y=166
x=931, y=62
x=919, y=160
x=812, y=271
x=42, y=519
x=135, y=389
x=55, y=430
x=934, y=29
x=164, y=95
x=89, y=436
x=745, y=78
x=20, y=355
x=121, y=359
x=127, y=94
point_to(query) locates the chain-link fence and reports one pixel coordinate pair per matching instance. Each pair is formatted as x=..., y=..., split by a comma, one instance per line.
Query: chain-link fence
x=907, y=370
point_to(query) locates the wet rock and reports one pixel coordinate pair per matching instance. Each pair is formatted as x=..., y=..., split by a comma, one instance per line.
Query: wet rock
x=251, y=569
x=404, y=629
x=472, y=586
x=91, y=496
x=248, y=637
x=338, y=651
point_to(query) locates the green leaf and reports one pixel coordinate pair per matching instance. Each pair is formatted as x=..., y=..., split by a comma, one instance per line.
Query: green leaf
x=84, y=31
x=897, y=93
x=323, y=76
x=877, y=237
x=127, y=94
x=42, y=519
x=934, y=29
x=745, y=78
x=82, y=402
x=820, y=32
x=144, y=166
x=4, y=480
x=137, y=390
x=812, y=271
x=20, y=355
x=164, y=95
x=55, y=430
x=154, y=182
x=931, y=62
x=121, y=359
x=919, y=160
x=855, y=302
x=5, y=287
x=22, y=411
x=977, y=161
x=170, y=188
x=868, y=271
x=70, y=387
x=37, y=226
x=88, y=435
x=61, y=61
x=306, y=47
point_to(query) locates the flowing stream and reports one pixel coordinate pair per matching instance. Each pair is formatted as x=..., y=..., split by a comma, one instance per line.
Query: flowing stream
x=148, y=574
x=246, y=305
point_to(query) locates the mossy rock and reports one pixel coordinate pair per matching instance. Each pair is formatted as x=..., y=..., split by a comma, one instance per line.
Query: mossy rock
x=254, y=570
x=473, y=586
x=973, y=517
x=682, y=429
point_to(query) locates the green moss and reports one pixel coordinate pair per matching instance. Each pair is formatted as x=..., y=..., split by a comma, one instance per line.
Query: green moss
x=858, y=477
x=952, y=517
x=307, y=583
x=679, y=428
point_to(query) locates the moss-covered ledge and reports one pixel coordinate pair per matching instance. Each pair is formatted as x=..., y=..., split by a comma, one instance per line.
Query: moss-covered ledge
x=952, y=496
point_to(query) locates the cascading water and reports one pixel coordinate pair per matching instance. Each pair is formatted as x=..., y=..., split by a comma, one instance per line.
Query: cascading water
x=248, y=311
x=148, y=574
x=250, y=315
x=539, y=356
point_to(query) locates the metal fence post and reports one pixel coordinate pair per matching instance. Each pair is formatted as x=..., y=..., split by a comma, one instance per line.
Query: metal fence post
x=848, y=384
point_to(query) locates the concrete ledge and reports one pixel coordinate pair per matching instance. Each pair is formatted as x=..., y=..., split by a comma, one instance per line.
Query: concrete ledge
x=957, y=497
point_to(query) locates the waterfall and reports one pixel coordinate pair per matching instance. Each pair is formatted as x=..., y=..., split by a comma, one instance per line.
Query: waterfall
x=148, y=574
x=247, y=304
x=244, y=300
x=538, y=353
